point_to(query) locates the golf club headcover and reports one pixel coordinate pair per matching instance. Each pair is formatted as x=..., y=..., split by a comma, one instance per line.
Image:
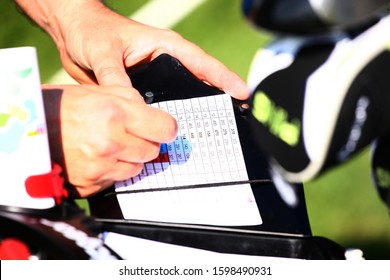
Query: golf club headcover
x=312, y=16
x=317, y=101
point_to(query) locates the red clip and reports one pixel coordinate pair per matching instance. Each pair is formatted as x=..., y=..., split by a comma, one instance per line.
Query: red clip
x=13, y=249
x=47, y=185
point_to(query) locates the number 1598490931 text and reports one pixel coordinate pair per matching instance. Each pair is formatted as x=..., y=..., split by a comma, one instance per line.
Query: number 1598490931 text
x=242, y=270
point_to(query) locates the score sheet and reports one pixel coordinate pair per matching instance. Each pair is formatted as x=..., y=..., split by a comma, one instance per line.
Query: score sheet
x=207, y=150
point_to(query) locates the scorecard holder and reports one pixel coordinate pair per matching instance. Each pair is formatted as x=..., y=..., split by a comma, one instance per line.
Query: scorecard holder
x=285, y=230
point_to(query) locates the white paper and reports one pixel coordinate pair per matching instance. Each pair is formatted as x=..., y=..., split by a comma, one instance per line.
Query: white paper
x=207, y=150
x=24, y=145
x=138, y=249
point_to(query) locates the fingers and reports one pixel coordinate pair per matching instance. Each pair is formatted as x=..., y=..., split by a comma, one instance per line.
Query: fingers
x=102, y=65
x=137, y=150
x=152, y=124
x=125, y=163
x=144, y=121
x=101, y=172
x=98, y=174
x=214, y=72
x=110, y=71
x=204, y=66
x=122, y=147
x=93, y=184
x=124, y=170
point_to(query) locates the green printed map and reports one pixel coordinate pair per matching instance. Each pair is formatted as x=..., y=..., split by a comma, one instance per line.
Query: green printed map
x=16, y=111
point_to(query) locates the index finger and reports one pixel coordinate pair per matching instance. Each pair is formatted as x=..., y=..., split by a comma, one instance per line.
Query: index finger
x=211, y=70
x=150, y=123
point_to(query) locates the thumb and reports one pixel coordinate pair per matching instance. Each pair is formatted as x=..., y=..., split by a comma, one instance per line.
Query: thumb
x=111, y=72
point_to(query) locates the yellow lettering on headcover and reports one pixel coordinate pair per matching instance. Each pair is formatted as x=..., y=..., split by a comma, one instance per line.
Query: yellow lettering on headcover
x=276, y=119
x=383, y=177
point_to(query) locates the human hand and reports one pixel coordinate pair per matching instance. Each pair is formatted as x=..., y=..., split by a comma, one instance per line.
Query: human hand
x=96, y=45
x=122, y=43
x=102, y=134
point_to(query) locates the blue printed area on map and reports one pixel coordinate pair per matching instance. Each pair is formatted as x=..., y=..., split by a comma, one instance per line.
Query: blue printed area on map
x=29, y=104
x=10, y=140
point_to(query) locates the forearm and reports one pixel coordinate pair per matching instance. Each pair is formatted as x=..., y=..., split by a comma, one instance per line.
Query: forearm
x=56, y=16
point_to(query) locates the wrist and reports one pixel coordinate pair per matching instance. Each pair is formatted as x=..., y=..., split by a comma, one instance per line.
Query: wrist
x=56, y=16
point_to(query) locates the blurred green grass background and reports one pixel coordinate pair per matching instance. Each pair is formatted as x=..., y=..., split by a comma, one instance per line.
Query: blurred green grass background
x=342, y=205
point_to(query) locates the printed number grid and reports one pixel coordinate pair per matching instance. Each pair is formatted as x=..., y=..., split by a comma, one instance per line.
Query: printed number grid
x=206, y=150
